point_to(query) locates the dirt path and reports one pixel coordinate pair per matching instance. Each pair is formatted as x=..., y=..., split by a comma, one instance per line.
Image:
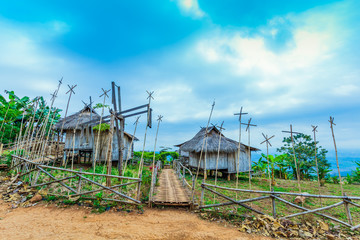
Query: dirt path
x=51, y=222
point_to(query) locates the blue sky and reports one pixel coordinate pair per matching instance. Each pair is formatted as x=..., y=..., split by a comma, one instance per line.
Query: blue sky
x=284, y=61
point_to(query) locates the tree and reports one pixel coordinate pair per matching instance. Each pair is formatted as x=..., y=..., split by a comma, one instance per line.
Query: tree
x=356, y=173
x=305, y=154
x=17, y=110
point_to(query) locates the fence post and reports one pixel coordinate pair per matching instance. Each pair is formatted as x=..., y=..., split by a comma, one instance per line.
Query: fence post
x=202, y=193
x=193, y=190
x=139, y=186
x=347, y=209
x=273, y=203
x=183, y=176
x=79, y=184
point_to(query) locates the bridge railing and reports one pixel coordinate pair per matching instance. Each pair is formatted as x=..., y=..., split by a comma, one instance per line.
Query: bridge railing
x=155, y=174
x=181, y=171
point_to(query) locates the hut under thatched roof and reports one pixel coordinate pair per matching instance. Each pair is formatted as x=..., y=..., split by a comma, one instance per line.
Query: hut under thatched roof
x=84, y=141
x=228, y=156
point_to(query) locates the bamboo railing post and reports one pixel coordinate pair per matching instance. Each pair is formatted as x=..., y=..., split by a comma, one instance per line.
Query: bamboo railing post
x=183, y=178
x=202, y=194
x=347, y=209
x=273, y=203
x=138, y=188
x=79, y=184
x=193, y=190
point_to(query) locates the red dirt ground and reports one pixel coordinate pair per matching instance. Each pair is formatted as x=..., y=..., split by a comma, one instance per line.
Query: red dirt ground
x=50, y=222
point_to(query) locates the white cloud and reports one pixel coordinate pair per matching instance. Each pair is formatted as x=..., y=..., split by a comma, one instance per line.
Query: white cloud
x=178, y=103
x=297, y=76
x=346, y=90
x=190, y=7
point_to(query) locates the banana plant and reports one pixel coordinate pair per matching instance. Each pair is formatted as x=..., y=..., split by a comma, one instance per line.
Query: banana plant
x=277, y=165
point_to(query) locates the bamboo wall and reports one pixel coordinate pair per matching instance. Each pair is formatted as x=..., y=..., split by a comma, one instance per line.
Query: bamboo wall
x=226, y=162
x=83, y=140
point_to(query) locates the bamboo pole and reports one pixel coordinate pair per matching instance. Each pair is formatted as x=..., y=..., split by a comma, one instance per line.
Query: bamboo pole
x=109, y=156
x=336, y=153
x=218, y=154
x=38, y=129
x=239, y=149
x=71, y=91
x=99, y=131
x=43, y=133
x=48, y=135
x=147, y=125
x=316, y=162
x=202, y=148
x=31, y=126
x=54, y=96
x=131, y=144
x=294, y=154
x=267, y=155
x=248, y=125
x=153, y=162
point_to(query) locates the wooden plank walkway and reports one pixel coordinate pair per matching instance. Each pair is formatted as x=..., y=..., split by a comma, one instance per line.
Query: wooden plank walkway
x=170, y=190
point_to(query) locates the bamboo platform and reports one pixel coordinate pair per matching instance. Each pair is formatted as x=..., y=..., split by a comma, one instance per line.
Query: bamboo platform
x=170, y=190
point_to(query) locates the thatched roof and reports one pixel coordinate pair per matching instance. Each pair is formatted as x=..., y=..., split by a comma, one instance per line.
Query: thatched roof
x=75, y=120
x=227, y=145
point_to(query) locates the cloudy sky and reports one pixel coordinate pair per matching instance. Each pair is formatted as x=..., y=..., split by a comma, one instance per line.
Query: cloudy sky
x=286, y=62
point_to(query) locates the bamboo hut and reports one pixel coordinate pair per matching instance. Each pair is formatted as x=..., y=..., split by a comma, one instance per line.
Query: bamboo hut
x=84, y=141
x=228, y=156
